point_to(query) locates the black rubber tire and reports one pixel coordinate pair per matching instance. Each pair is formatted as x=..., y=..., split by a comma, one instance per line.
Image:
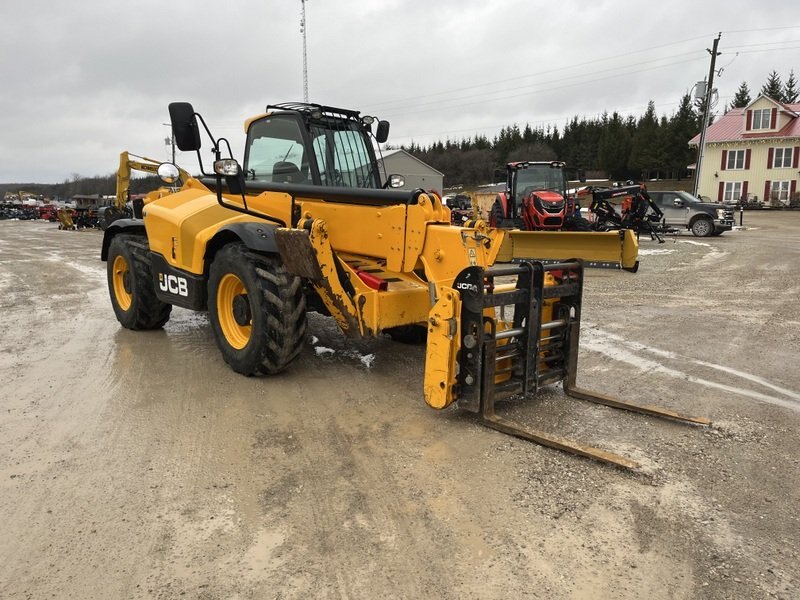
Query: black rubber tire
x=144, y=310
x=496, y=214
x=277, y=311
x=702, y=227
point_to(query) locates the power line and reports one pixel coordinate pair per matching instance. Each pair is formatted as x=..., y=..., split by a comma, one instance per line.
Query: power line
x=550, y=89
x=538, y=73
x=554, y=81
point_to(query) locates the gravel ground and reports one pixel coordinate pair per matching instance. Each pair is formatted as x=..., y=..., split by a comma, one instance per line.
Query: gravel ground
x=137, y=465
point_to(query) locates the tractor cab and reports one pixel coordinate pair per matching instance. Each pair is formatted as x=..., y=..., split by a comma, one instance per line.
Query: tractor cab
x=535, y=197
x=316, y=145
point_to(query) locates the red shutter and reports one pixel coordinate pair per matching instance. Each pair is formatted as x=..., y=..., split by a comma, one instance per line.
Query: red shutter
x=796, y=157
x=766, y=191
x=749, y=120
x=770, y=156
x=744, y=192
x=747, y=158
x=721, y=192
x=774, y=118
x=792, y=189
x=724, y=160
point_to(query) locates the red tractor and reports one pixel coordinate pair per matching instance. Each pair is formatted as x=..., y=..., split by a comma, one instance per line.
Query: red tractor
x=536, y=198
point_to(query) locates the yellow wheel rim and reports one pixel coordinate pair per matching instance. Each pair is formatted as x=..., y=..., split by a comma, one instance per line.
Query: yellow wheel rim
x=120, y=272
x=237, y=334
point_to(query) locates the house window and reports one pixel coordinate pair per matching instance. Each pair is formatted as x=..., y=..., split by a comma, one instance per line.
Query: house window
x=782, y=158
x=735, y=159
x=761, y=118
x=780, y=191
x=733, y=191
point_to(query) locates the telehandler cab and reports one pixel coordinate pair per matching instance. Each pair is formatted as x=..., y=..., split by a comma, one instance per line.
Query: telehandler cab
x=309, y=223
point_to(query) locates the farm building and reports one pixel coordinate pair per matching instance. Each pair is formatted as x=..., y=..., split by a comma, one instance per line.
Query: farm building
x=416, y=173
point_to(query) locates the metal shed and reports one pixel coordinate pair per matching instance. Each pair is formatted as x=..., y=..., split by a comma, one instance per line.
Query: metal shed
x=416, y=173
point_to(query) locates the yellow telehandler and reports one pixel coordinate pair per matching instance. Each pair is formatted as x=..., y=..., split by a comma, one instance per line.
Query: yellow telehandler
x=307, y=222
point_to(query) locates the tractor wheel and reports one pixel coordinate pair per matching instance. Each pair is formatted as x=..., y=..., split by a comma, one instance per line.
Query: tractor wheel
x=257, y=311
x=496, y=214
x=130, y=284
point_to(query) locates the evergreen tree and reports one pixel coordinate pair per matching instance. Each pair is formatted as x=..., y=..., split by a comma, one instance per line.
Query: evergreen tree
x=614, y=148
x=644, y=147
x=773, y=87
x=683, y=126
x=742, y=97
x=790, y=91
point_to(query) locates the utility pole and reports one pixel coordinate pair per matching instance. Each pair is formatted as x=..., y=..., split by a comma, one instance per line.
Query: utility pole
x=706, y=112
x=305, y=59
x=170, y=141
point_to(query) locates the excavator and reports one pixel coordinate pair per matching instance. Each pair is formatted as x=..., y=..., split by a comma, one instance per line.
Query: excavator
x=131, y=162
x=308, y=223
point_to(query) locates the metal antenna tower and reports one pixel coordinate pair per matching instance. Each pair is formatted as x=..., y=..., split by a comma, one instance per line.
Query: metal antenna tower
x=305, y=57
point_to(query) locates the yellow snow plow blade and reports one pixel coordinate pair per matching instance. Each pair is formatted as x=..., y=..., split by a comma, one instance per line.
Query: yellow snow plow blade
x=603, y=249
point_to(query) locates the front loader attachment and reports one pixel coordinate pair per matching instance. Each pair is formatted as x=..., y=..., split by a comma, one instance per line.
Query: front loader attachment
x=516, y=336
x=603, y=249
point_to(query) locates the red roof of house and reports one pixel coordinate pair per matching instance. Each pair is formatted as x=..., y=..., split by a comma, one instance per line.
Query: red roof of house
x=731, y=126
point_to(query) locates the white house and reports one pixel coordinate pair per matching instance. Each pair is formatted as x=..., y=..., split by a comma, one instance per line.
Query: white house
x=752, y=153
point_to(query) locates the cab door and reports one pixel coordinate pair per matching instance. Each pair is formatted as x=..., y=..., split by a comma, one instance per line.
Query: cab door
x=674, y=207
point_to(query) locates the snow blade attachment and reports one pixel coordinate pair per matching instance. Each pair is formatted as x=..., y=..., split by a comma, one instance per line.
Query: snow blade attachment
x=597, y=249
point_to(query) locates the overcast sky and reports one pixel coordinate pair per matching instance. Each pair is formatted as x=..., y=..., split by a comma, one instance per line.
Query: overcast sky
x=82, y=81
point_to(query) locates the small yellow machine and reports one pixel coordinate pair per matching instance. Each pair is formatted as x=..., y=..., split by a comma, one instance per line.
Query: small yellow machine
x=308, y=222
x=65, y=220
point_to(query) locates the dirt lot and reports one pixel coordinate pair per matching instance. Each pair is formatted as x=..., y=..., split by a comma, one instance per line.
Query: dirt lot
x=137, y=465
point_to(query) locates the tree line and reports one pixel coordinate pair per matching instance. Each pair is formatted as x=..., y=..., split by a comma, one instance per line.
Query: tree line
x=620, y=147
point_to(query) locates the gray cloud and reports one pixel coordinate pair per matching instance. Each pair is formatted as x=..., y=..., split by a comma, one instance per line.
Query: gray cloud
x=82, y=81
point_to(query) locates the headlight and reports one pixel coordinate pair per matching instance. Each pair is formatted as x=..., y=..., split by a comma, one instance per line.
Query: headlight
x=226, y=166
x=720, y=213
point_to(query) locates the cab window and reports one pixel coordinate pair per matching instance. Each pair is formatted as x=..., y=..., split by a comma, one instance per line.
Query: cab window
x=275, y=151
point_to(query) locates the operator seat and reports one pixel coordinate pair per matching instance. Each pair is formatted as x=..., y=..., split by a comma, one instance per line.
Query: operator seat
x=286, y=172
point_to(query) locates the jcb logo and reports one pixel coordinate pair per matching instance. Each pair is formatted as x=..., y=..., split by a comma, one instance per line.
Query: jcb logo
x=173, y=284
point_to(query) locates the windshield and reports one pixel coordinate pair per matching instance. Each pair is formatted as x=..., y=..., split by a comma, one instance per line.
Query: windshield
x=342, y=154
x=540, y=177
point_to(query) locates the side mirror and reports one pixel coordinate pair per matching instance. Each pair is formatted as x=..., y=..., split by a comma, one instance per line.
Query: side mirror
x=499, y=175
x=184, y=126
x=677, y=202
x=582, y=175
x=395, y=181
x=168, y=173
x=382, y=133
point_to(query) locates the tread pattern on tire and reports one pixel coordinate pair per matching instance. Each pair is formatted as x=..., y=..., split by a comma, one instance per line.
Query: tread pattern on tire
x=283, y=312
x=496, y=214
x=148, y=311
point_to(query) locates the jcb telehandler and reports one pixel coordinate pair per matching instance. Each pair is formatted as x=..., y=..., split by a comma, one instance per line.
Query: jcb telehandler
x=307, y=222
